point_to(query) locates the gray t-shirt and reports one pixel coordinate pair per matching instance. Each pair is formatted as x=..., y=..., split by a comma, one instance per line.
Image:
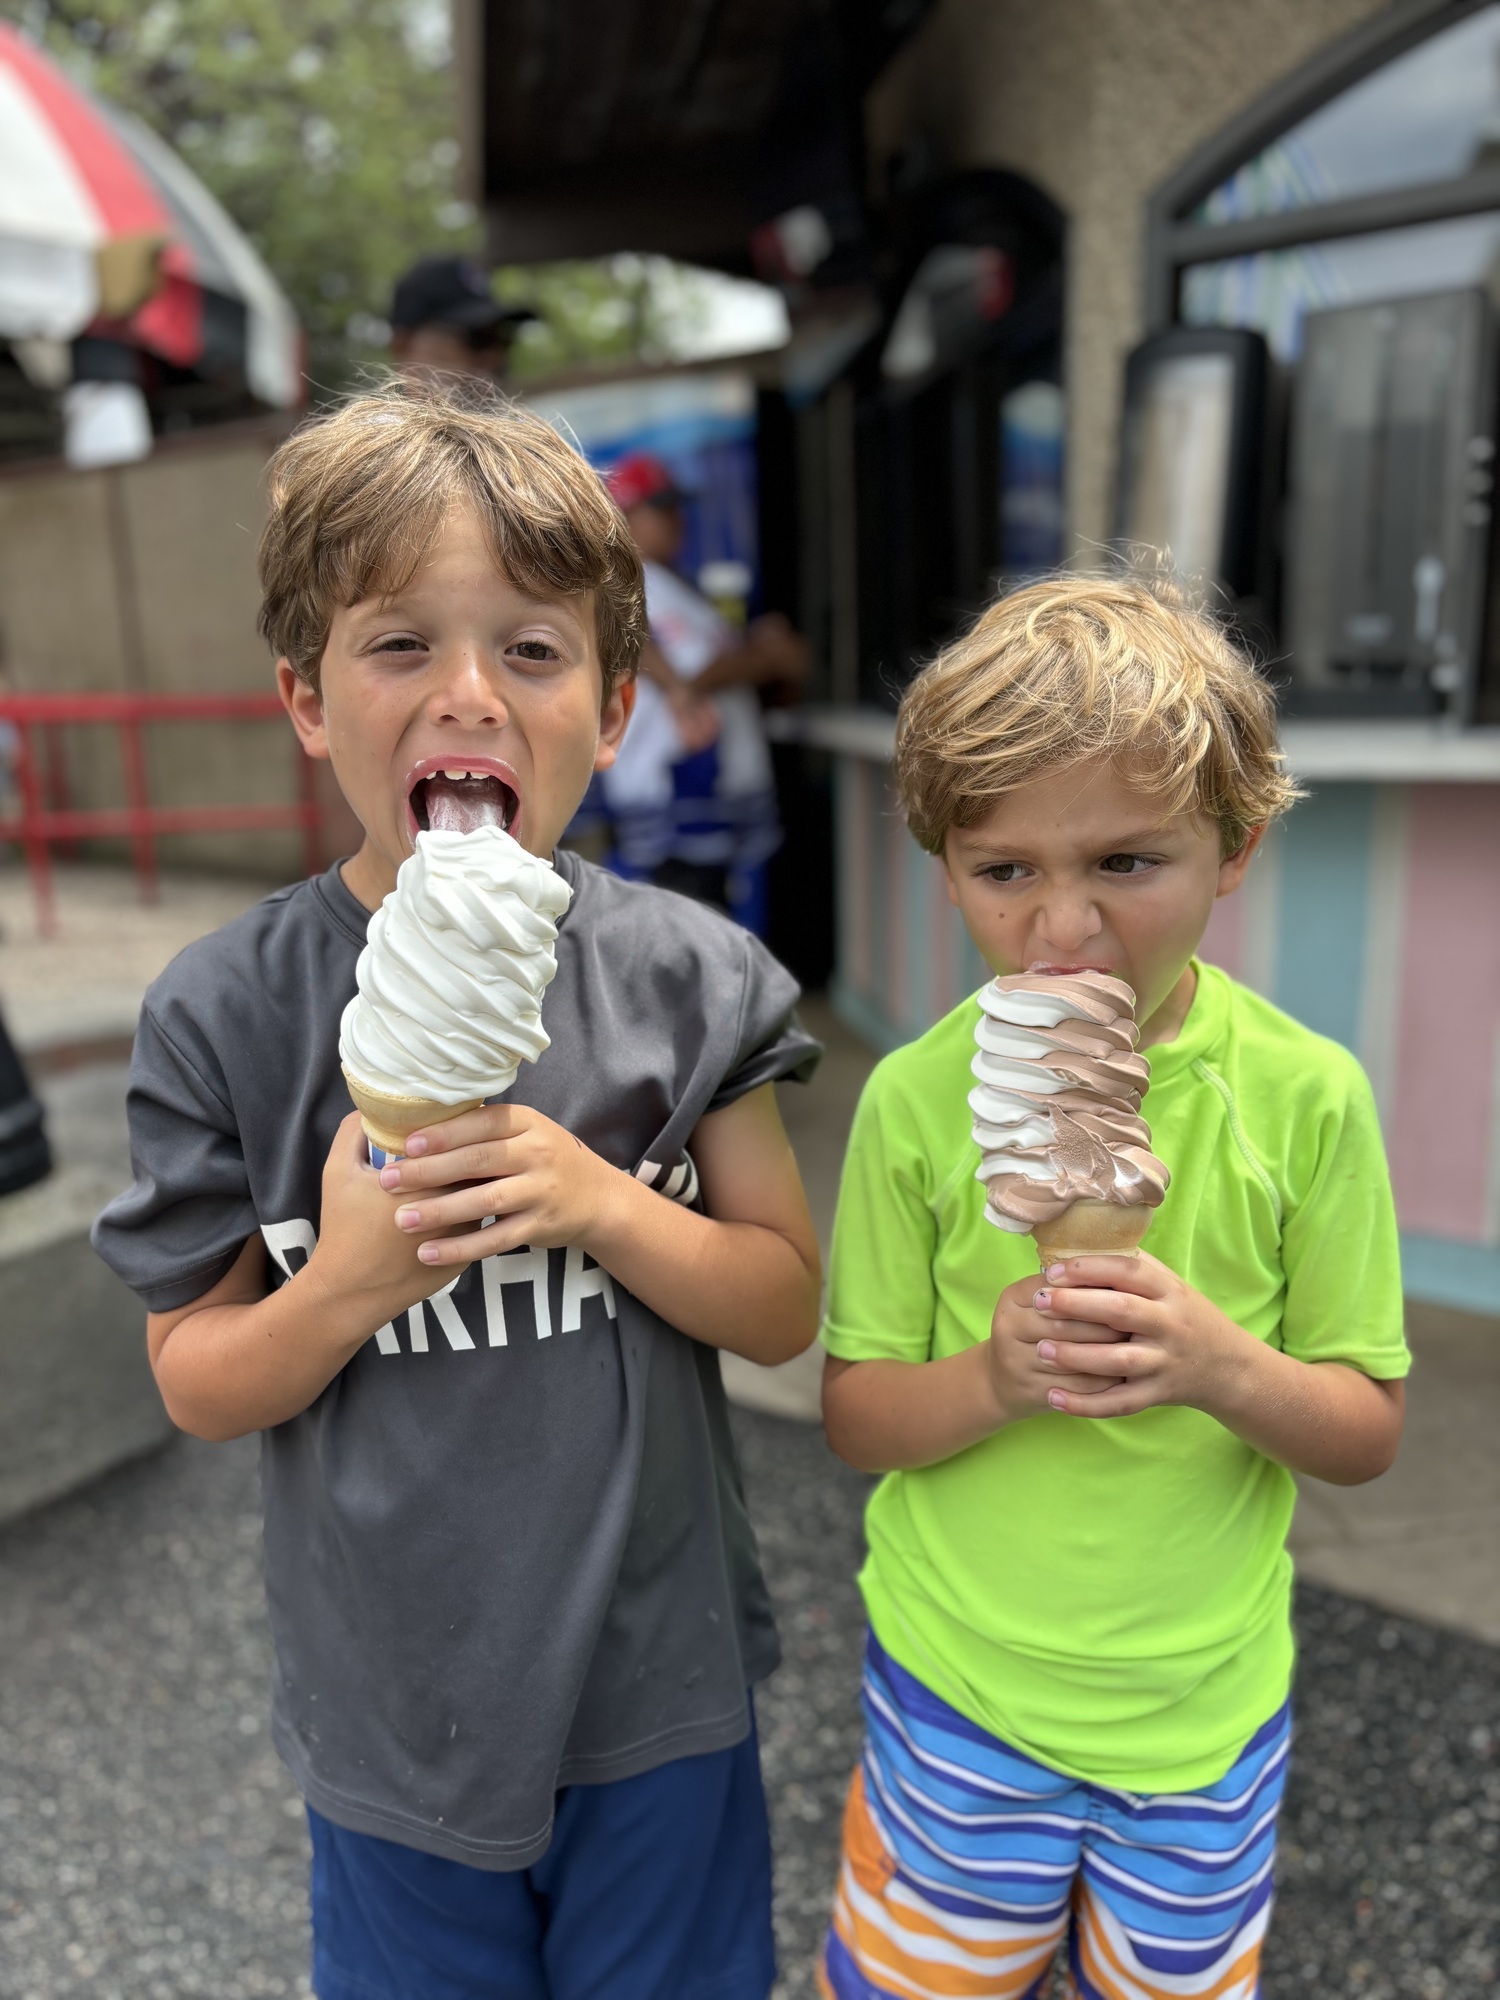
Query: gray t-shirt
x=507, y=1548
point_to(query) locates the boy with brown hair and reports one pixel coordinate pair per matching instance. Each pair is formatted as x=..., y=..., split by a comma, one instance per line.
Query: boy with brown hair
x=1077, y=1582
x=514, y=1592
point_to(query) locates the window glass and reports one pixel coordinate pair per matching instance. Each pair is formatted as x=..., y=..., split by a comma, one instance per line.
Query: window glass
x=1273, y=290
x=1431, y=115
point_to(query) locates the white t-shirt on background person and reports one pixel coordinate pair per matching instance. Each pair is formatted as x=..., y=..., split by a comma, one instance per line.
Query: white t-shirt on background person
x=691, y=635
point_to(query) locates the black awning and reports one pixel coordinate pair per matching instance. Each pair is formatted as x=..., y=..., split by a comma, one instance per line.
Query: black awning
x=674, y=126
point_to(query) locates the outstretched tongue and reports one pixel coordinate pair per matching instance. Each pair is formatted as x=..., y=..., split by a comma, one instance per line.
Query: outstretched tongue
x=463, y=805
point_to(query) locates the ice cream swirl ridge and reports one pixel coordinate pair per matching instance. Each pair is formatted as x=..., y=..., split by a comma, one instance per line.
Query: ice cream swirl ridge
x=1057, y=1101
x=452, y=975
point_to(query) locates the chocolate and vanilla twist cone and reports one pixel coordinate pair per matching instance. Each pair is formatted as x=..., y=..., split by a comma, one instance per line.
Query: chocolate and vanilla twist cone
x=1065, y=1153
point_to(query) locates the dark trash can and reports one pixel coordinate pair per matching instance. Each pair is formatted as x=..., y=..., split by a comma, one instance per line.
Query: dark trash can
x=25, y=1155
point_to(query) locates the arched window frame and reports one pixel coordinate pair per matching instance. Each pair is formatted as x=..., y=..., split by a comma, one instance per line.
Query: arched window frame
x=1174, y=240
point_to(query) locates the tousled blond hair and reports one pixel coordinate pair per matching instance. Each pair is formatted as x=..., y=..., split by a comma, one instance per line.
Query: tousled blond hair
x=357, y=498
x=1073, y=669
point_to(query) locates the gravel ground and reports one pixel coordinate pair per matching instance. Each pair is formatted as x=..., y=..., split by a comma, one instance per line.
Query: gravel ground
x=151, y=1844
x=151, y=1847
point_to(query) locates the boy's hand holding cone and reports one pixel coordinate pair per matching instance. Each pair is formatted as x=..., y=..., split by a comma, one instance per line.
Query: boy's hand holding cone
x=389, y=1121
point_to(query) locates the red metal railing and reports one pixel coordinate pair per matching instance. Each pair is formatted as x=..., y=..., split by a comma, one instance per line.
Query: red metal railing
x=45, y=822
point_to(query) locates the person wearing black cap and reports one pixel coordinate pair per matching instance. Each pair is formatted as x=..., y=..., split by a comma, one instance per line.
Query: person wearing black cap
x=446, y=320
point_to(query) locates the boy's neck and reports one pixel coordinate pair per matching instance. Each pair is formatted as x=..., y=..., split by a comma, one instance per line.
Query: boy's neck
x=368, y=877
x=1165, y=1025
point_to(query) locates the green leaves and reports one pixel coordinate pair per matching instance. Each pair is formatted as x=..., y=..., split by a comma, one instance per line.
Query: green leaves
x=609, y=310
x=325, y=127
x=327, y=130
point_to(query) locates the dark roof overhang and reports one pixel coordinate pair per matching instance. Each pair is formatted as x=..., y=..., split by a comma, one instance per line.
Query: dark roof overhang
x=671, y=126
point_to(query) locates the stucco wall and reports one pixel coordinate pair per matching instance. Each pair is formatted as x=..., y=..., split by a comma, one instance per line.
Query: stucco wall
x=142, y=578
x=1096, y=101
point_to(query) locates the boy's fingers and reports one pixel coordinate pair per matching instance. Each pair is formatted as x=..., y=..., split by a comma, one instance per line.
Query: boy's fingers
x=1141, y=1275
x=470, y=1204
x=446, y=1251
x=490, y=1160
x=1121, y=1402
x=1053, y=1326
x=1086, y=1386
x=1119, y=1358
x=1123, y=1310
x=473, y=1128
x=350, y=1139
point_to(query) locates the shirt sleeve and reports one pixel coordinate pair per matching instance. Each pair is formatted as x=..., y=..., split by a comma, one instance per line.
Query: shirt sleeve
x=882, y=1301
x=177, y=1229
x=1340, y=1247
x=770, y=1043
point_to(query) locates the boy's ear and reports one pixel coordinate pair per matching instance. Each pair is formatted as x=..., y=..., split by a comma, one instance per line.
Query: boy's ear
x=1234, y=867
x=305, y=706
x=617, y=713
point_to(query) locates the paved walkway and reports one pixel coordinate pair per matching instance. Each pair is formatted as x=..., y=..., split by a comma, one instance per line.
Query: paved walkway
x=85, y=984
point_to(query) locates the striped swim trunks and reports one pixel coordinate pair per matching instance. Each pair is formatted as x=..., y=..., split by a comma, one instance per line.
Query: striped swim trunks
x=966, y=1863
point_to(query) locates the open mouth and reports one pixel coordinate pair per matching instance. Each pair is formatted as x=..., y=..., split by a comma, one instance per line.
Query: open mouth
x=459, y=800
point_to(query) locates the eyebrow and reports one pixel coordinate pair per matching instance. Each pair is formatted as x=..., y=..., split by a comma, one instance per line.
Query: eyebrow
x=1134, y=837
x=381, y=605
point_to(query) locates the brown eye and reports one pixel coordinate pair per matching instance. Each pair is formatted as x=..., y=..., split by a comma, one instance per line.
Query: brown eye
x=1122, y=864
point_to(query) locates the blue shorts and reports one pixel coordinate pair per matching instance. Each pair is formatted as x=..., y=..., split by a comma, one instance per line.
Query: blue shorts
x=654, y=1888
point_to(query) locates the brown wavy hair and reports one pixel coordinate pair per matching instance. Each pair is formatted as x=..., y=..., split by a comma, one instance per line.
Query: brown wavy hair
x=357, y=498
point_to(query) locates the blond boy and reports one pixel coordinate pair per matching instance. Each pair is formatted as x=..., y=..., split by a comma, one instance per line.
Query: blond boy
x=514, y=1593
x=1080, y=1655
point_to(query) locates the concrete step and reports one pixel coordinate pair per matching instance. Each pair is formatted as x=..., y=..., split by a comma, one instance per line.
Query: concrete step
x=76, y=1391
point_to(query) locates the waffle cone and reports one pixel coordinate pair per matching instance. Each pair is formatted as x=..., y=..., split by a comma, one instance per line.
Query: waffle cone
x=1093, y=1229
x=389, y=1121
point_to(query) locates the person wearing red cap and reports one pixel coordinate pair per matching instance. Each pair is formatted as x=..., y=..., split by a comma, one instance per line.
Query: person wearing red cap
x=691, y=795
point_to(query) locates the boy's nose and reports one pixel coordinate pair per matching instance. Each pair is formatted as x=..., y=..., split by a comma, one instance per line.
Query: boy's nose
x=1066, y=922
x=468, y=690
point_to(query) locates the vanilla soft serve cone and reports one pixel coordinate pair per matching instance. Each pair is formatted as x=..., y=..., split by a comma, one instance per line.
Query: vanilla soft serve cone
x=451, y=981
x=1064, y=1151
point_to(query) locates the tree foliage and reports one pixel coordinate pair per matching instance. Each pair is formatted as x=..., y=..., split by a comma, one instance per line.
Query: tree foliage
x=327, y=130
x=606, y=312
x=325, y=127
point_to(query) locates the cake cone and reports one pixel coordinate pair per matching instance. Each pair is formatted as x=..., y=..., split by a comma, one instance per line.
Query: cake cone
x=389, y=1121
x=1093, y=1229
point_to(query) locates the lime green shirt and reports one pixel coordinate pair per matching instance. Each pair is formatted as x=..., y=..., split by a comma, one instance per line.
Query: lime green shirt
x=1112, y=1596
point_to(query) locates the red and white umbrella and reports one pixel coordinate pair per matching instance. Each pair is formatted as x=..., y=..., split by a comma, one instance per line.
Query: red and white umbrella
x=102, y=227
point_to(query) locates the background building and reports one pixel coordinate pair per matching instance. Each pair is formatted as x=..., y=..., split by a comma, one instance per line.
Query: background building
x=1210, y=275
